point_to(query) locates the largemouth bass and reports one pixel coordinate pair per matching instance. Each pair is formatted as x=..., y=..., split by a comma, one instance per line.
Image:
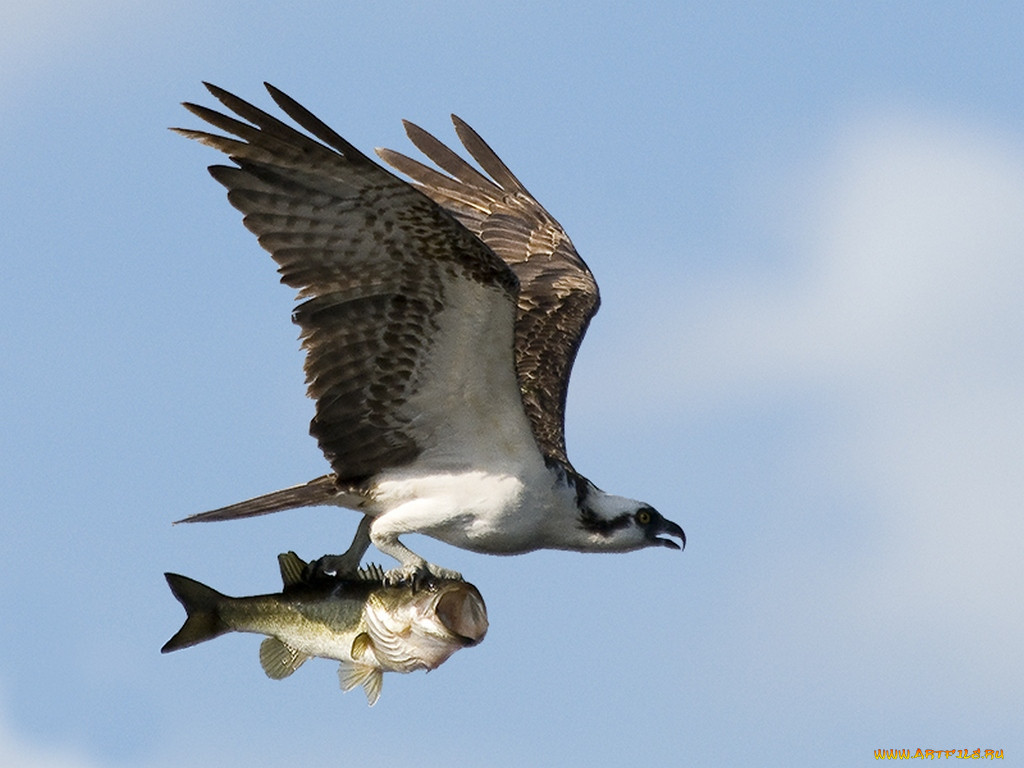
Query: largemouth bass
x=370, y=628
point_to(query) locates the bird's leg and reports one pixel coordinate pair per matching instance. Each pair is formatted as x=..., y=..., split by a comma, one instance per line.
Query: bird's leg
x=414, y=569
x=337, y=566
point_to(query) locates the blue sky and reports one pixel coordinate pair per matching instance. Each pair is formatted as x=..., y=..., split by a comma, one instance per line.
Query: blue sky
x=808, y=226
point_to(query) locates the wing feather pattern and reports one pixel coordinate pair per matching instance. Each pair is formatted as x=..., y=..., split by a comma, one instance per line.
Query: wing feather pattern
x=558, y=294
x=408, y=316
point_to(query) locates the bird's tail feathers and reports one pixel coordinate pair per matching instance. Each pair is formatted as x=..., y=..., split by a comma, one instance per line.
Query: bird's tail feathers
x=322, y=491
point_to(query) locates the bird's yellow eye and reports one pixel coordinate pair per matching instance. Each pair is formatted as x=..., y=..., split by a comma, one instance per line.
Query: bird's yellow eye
x=643, y=517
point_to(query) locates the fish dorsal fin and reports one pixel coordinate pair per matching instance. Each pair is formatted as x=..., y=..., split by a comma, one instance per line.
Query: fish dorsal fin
x=279, y=659
x=292, y=567
x=371, y=572
x=351, y=674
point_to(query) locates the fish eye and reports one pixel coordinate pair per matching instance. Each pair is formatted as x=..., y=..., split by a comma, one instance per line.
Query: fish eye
x=643, y=517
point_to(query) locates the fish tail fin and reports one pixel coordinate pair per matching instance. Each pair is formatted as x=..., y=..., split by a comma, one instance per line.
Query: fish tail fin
x=201, y=603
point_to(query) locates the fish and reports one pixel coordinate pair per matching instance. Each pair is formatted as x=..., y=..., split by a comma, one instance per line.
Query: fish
x=370, y=628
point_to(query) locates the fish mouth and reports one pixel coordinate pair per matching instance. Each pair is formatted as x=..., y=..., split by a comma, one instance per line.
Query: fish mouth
x=668, y=528
x=462, y=611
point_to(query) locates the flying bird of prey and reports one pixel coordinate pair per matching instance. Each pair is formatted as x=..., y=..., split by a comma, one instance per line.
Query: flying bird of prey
x=440, y=323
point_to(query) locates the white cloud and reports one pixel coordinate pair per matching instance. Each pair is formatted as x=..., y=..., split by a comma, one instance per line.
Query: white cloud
x=912, y=302
x=903, y=307
x=919, y=236
x=909, y=265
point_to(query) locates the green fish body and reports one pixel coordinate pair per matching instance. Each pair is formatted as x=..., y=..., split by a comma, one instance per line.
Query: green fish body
x=368, y=627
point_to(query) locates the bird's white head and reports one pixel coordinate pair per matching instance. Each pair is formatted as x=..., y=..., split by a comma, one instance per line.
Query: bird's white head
x=612, y=523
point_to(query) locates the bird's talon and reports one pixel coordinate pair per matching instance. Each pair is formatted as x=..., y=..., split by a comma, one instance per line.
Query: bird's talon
x=419, y=576
x=444, y=574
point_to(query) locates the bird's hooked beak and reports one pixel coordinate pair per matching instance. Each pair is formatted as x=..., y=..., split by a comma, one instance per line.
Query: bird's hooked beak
x=668, y=528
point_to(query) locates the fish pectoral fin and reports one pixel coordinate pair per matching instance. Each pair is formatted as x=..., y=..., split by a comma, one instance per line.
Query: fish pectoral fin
x=279, y=659
x=351, y=674
x=362, y=645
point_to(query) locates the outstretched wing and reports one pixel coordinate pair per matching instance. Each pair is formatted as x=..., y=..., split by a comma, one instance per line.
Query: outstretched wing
x=408, y=318
x=557, y=296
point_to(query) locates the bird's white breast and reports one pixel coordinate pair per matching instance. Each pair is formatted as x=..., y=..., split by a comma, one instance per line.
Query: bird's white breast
x=480, y=510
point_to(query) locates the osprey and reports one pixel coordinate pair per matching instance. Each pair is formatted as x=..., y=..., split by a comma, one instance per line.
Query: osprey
x=440, y=322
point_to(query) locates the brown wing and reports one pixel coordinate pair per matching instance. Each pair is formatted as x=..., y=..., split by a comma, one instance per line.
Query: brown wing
x=407, y=315
x=557, y=296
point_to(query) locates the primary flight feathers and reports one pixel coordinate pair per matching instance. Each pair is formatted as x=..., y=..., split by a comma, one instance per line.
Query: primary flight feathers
x=440, y=322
